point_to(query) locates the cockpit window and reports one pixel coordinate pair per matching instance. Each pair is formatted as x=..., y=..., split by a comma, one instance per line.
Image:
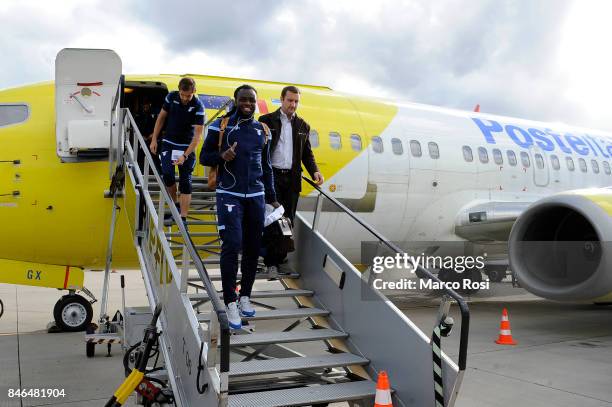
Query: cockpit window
x=13, y=114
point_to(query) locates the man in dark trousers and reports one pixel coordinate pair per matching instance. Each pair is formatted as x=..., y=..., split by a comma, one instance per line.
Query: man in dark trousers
x=289, y=149
x=244, y=184
x=184, y=116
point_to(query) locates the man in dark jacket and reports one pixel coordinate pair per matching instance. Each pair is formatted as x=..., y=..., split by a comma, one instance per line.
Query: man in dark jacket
x=244, y=180
x=290, y=148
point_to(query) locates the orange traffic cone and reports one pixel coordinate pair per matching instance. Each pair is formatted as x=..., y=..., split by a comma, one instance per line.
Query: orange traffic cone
x=505, y=334
x=383, y=392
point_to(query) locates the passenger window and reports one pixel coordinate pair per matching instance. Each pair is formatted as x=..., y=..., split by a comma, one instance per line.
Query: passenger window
x=483, y=155
x=570, y=163
x=397, y=146
x=467, y=154
x=539, y=161
x=377, y=144
x=335, y=141
x=415, y=148
x=13, y=114
x=606, y=166
x=582, y=165
x=511, y=157
x=434, y=150
x=595, y=166
x=554, y=161
x=497, y=156
x=356, y=142
x=525, y=159
x=314, y=138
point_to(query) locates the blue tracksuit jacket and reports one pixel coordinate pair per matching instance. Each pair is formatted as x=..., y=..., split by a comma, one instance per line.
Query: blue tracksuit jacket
x=250, y=173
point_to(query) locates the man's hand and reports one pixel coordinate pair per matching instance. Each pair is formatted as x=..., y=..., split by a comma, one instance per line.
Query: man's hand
x=229, y=154
x=318, y=178
x=180, y=160
x=275, y=204
x=153, y=146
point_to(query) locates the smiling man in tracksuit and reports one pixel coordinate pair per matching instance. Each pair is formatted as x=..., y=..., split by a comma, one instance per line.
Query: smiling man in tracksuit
x=244, y=184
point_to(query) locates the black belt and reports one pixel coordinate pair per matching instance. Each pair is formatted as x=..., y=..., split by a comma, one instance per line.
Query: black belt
x=281, y=171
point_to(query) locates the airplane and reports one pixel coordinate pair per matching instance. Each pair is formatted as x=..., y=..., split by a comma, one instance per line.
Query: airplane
x=417, y=173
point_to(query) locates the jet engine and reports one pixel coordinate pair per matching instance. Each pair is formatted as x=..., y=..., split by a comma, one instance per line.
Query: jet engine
x=560, y=248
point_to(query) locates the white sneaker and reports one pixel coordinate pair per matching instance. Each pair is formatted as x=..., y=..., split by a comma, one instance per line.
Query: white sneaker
x=235, y=322
x=246, y=309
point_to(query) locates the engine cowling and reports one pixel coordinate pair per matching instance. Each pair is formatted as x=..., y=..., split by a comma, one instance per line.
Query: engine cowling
x=560, y=248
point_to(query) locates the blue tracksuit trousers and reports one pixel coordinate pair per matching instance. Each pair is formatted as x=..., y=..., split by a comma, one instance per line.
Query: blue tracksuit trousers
x=240, y=227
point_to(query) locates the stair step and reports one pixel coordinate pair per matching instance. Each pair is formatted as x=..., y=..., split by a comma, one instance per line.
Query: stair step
x=202, y=222
x=260, y=294
x=329, y=393
x=267, y=338
x=203, y=193
x=295, y=313
x=256, y=367
x=194, y=202
x=216, y=260
x=213, y=261
x=198, y=246
x=194, y=178
x=194, y=234
x=202, y=212
x=258, y=276
x=195, y=186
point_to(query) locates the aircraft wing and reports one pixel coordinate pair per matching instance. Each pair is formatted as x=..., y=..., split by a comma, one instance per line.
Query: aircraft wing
x=488, y=221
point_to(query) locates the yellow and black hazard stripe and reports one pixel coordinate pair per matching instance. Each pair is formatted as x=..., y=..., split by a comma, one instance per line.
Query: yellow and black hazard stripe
x=99, y=341
x=437, y=367
x=126, y=388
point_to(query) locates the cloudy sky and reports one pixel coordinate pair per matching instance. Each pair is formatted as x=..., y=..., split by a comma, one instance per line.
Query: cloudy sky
x=545, y=59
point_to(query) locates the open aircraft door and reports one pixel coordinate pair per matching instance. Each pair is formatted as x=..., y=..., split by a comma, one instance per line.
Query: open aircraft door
x=86, y=91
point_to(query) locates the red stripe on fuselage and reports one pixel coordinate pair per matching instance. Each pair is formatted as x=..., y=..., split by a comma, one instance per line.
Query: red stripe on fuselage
x=66, y=276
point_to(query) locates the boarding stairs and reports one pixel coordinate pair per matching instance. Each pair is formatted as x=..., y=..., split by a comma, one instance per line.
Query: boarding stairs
x=314, y=339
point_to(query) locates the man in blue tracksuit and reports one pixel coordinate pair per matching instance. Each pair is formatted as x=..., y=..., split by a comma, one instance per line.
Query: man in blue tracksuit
x=244, y=184
x=185, y=121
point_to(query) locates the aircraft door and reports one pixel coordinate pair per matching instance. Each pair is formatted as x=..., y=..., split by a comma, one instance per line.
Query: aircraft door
x=86, y=83
x=541, y=175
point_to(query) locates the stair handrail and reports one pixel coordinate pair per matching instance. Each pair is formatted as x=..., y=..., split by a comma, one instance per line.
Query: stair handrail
x=423, y=272
x=217, y=304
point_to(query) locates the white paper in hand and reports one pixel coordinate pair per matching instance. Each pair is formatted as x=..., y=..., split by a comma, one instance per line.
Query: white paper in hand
x=272, y=215
x=176, y=155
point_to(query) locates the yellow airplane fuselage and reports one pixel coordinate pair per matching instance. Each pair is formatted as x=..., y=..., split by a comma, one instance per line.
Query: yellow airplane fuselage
x=54, y=214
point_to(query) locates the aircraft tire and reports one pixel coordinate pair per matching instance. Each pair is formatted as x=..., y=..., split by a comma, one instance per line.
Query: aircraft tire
x=72, y=313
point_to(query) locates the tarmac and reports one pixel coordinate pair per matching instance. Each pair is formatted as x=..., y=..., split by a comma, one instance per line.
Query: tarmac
x=563, y=357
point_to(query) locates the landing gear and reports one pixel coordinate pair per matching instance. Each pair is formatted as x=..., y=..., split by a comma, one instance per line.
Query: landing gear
x=72, y=313
x=496, y=274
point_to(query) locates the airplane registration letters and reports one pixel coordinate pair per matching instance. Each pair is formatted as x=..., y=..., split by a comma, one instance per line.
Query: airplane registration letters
x=34, y=275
